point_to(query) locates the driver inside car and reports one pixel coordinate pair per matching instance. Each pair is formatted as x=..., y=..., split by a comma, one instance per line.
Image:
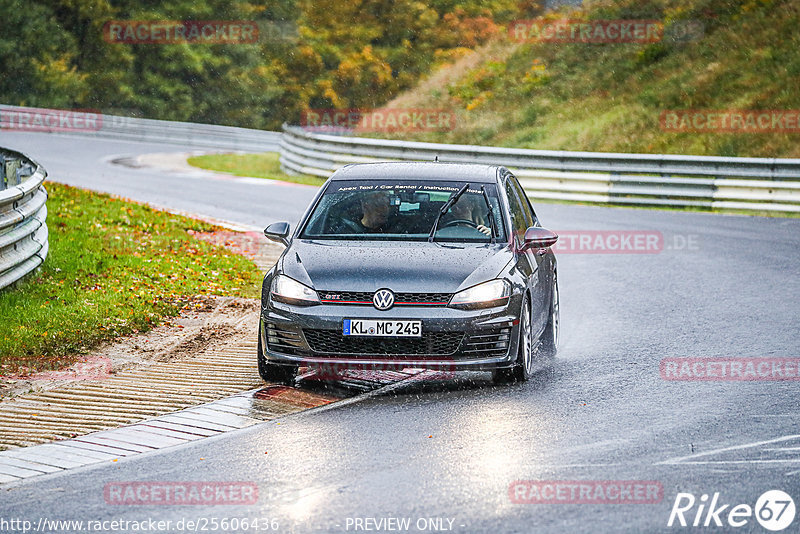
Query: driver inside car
x=375, y=214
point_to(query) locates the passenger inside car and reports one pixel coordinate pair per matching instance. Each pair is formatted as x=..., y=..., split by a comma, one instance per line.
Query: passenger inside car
x=469, y=209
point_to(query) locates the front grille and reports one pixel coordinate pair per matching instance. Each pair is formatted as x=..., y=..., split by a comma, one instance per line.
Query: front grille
x=431, y=343
x=400, y=299
x=286, y=339
x=487, y=343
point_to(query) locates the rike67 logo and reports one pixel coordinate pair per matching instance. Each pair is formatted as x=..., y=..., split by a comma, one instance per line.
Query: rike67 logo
x=774, y=510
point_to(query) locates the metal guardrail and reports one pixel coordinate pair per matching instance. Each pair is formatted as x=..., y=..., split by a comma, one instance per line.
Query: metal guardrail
x=101, y=126
x=23, y=211
x=707, y=182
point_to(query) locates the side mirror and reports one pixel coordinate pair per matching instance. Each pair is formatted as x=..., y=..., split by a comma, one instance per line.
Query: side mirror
x=536, y=237
x=278, y=232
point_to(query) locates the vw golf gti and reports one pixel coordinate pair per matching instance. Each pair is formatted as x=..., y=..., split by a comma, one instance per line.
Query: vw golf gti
x=412, y=265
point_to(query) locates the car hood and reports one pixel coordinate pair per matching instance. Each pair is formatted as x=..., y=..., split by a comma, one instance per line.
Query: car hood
x=399, y=266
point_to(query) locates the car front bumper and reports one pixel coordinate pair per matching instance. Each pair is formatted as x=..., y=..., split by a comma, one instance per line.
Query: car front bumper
x=453, y=339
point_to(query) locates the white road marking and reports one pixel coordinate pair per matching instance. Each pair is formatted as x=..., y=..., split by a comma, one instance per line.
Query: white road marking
x=561, y=466
x=683, y=459
x=720, y=462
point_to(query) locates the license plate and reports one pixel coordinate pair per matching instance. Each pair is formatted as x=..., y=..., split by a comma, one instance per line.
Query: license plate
x=381, y=328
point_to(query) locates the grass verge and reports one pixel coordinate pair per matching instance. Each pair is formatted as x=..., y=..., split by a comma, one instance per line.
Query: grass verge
x=263, y=165
x=114, y=267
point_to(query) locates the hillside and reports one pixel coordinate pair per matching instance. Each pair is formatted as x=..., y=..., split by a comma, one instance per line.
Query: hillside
x=739, y=55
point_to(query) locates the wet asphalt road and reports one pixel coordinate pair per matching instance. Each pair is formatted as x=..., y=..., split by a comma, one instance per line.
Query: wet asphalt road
x=724, y=286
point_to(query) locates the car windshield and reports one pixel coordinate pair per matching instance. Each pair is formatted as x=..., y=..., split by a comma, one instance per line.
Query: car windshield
x=404, y=210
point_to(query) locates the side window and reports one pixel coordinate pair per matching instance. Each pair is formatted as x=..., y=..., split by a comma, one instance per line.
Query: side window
x=530, y=215
x=517, y=212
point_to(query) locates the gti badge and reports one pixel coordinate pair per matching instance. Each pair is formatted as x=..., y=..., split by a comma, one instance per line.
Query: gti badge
x=383, y=299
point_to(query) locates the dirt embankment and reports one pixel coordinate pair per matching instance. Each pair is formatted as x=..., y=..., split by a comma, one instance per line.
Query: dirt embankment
x=217, y=320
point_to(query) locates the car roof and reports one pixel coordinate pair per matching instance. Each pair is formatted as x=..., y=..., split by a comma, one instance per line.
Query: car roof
x=418, y=170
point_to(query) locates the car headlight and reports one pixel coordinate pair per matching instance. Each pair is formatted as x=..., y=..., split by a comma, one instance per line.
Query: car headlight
x=485, y=295
x=289, y=290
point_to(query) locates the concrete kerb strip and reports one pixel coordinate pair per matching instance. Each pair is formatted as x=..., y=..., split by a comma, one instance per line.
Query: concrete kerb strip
x=146, y=437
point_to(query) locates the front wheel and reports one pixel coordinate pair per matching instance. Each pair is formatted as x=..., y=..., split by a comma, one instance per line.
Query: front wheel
x=551, y=332
x=273, y=372
x=522, y=369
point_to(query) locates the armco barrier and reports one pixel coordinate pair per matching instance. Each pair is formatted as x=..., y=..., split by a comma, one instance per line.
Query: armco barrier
x=23, y=232
x=756, y=184
x=190, y=134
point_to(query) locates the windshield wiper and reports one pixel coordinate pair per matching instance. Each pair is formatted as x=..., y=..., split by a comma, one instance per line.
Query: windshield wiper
x=447, y=205
x=491, y=215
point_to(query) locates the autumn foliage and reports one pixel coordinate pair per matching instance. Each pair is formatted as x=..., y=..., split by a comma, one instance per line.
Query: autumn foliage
x=309, y=54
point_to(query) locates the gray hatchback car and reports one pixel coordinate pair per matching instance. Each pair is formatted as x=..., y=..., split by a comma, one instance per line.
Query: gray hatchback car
x=412, y=265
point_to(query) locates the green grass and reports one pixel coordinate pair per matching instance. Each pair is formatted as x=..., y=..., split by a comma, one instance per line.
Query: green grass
x=264, y=165
x=608, y=97
x=114, y=267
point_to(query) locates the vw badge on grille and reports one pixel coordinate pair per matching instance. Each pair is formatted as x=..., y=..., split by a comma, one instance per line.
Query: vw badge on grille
x=383, y=299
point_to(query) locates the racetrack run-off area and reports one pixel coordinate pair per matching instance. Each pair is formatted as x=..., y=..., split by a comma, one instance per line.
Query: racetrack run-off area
x=718, y=286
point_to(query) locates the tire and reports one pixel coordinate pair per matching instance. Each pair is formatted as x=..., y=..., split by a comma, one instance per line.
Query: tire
x=549, y=339
x=522, y=369
x=273, y=372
